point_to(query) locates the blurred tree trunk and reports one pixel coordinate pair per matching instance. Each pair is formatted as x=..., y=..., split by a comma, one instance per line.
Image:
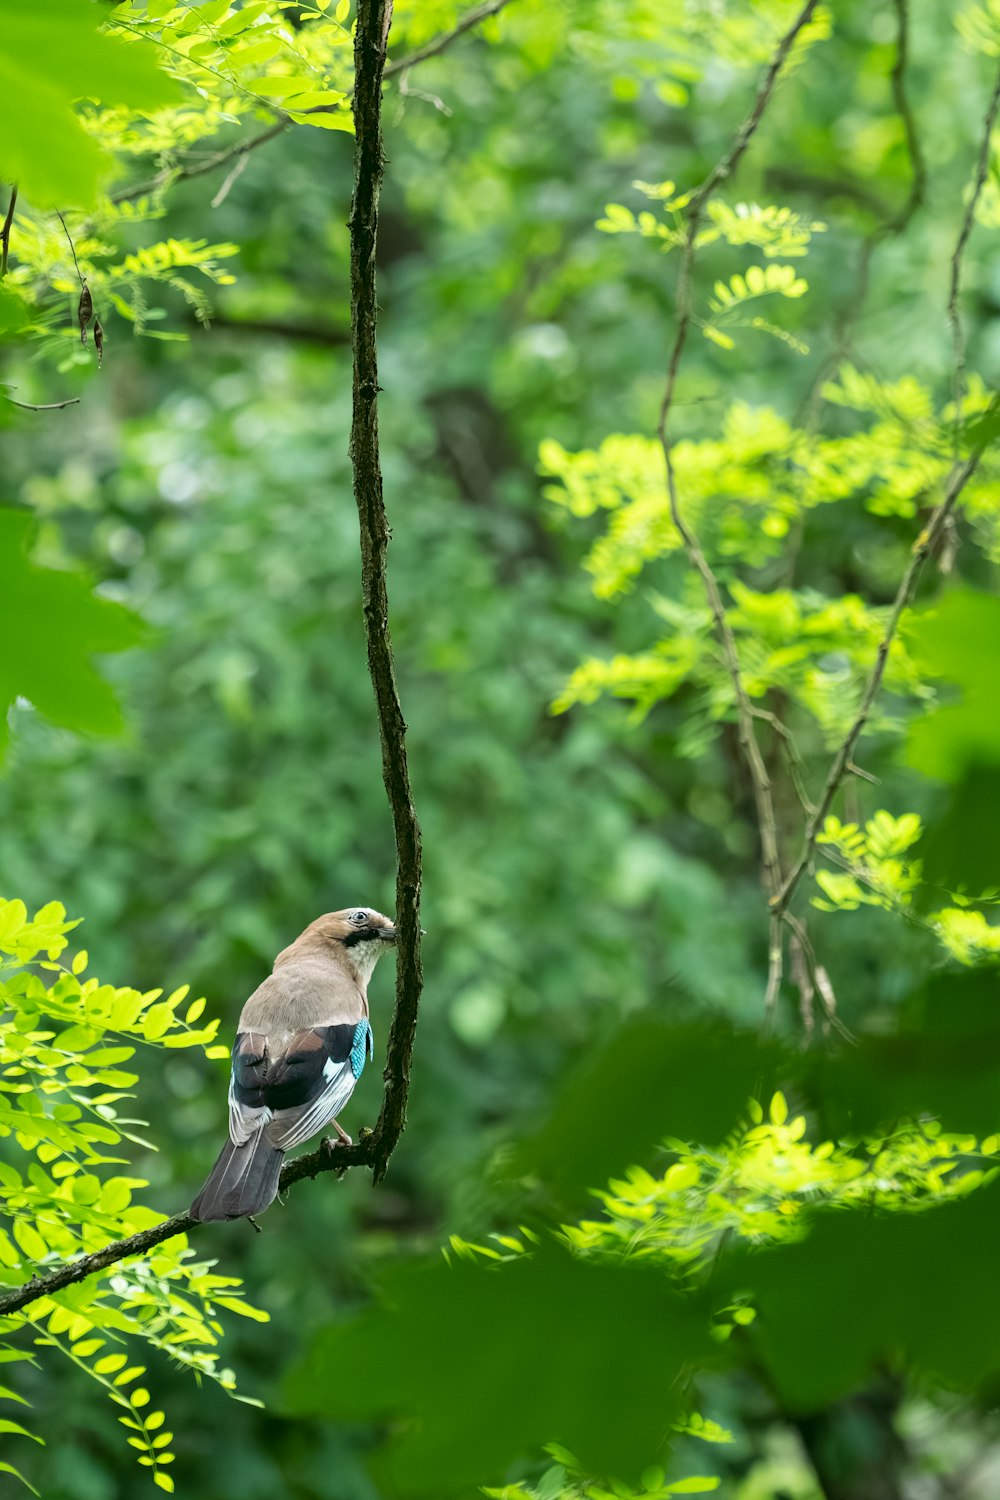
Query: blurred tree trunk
x=854, y=1447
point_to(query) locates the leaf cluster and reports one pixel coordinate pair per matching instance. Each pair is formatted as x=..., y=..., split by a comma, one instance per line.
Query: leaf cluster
x=66, y=1043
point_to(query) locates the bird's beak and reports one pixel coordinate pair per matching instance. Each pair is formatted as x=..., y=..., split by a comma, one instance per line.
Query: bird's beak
x=387, y=934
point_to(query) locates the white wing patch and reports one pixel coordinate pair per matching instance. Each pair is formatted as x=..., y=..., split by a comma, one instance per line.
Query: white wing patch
x=244, y=1121
x=290, y=1127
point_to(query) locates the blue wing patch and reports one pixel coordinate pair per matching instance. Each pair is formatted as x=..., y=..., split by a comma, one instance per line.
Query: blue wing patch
x=363, y=1046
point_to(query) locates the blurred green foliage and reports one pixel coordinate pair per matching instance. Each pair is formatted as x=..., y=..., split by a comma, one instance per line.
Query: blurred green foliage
x=583, y=866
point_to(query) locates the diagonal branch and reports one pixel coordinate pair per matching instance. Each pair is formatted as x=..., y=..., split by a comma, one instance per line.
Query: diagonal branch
x=361, y=1154
x=371, y=36
x=904, y=109
x=958, y=479
x=955, y=283
x=961, y=473
x=763, y=800
x=438, y=44
x=45, y=406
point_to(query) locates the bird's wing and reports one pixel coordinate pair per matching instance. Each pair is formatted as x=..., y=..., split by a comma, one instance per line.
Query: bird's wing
x=294, y=1084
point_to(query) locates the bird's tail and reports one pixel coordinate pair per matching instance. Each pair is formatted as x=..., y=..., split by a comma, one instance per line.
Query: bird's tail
x=243, y=1181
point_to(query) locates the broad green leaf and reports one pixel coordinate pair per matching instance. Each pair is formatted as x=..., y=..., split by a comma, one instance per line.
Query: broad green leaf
x=524, y=1338
x=53, y=54
x=51, y=664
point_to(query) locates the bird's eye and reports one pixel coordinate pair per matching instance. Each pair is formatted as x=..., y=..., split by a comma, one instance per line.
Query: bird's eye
x=359, y=917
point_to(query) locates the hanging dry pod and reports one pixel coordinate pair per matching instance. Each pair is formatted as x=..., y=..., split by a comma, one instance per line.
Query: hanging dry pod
x=84, y=311
x=99, y=342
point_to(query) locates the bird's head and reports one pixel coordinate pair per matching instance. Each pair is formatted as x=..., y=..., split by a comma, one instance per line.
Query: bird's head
x=358, y=936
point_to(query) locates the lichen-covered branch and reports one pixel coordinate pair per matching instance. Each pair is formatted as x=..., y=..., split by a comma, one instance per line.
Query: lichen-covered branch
x=375, y=1146
x=371, y=35
x=760, y=781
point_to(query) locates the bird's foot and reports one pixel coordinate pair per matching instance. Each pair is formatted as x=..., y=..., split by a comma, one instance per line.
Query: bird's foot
x=329, y=1145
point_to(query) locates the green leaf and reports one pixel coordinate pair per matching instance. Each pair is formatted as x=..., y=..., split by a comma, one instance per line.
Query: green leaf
x=30, y=1240
x=951, y=641
x=880, y=1268
x=15, y=1427
x=526, y=1338
x=53, y=54
x=6, y=1468
x=50, y=665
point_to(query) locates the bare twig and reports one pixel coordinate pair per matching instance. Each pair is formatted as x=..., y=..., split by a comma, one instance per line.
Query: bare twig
x=5, y=231
x=820, y=977
x=955, y=286
x=374, y=18
x=72, y=247
x=961, y=473
x=235, y=171
x=890, y=225
x=796, y=765
x=803, y=981
x=918, y=167
x=763, y=800
x=438, y=44
x=774, y=968
x=170, y=175
x=45, y=406
x=959, y=478
x=406, y=92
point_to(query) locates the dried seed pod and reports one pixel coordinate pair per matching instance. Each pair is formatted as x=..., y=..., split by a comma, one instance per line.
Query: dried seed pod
x=84, y=311
x=99, y=342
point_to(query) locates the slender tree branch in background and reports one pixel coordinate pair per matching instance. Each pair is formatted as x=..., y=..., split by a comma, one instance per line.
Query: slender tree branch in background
x=901, y=99
x=890, y=225
x=171, y=175
x=371, y=36
x=959, y=477
x=763, y=800
x=72, y=248
x=954, y=289
x=45, y=406
x=298, y=333
x=5, y=231
x=439, y=43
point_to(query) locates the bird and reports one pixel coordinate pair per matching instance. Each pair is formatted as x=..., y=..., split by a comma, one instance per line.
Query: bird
x=301, y=1044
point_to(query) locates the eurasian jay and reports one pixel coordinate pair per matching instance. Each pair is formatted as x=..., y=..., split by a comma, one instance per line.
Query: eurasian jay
x=302, y=1042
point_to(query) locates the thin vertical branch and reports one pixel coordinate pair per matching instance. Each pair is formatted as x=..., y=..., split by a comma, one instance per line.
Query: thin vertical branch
x=901, y=99
x=371, y=36
x=69, y=237
x=925, y=543
x=5, y=231
x=955, y=285
x=961, y=473
x=760, y=781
